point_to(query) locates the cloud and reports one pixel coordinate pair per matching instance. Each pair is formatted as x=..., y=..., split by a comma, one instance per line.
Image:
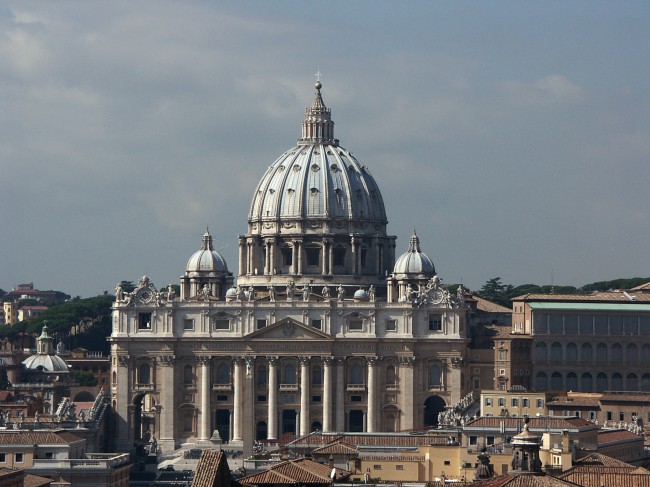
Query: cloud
x=552, y=89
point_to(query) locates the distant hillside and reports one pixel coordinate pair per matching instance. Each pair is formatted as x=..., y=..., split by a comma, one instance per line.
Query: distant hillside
x=78, y=323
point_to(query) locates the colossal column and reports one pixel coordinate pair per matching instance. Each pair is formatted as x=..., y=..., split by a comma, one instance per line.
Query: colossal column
x=373, y=409
x=327, y=394
x=167, y=403
x=273, y=398
x=237, y=400
x=204, y=430
x=304, y=395
x=406, y=365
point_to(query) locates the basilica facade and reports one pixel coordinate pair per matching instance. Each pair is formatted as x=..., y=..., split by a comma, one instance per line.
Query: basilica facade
x=322, y=329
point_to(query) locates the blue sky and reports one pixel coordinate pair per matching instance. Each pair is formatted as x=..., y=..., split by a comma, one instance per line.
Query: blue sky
x=515, y=136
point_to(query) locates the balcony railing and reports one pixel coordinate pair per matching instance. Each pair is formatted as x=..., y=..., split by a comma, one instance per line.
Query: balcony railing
x=288, y=387
x=222, y=387
x=356, y=387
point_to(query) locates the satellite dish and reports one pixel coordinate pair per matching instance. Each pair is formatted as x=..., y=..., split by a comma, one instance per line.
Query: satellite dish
x=333, y=473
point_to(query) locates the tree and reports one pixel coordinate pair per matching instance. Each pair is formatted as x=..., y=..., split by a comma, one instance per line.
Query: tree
x=497, y=292
x=127, y=286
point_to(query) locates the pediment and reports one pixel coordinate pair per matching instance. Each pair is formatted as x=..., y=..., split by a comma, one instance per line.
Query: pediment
x=289, y=329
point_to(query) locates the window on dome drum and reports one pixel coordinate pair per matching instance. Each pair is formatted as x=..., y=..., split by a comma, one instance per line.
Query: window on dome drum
x=339, y=257
x=261, y=323
x=144, y=321
x=221, y=324
x=313, y=257
x=435, y=322
x=287, y=256
x=188, y=324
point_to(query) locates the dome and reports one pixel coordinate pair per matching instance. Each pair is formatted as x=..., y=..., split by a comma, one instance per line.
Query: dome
x=414, y=261
x=44, y=359
x=360, y=294
x=48, y=363
x=317, y=184
x=206, y=259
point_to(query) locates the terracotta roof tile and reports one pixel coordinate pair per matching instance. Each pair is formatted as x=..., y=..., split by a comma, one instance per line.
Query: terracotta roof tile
x=598, y=459
x=36, y=481
x=212, y=464
x=300, y=471
x=598, y=479
x=524, y=480
x=336, y=448
x=609, y=436
x=38, y=437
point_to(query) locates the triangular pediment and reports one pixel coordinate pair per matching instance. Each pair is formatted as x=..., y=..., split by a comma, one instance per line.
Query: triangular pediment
x=289, y=329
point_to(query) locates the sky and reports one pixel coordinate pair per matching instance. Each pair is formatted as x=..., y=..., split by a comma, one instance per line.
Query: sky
x=514, y=136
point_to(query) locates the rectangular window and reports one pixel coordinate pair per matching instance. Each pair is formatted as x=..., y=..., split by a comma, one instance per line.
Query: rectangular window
x=49, y=455
x=435, y=322
x=514, y=402
x=355, y=398
x=188, y=324
x=287, y=255
x=540, y=403
x=399, y=467
x=592, y=415
x=316, y=399
x=488, y=401
x=364, y=253
x=489, y=440
x=502, y=402
x=356, y=325
x=144, y=321
x=477, y=383
x=261, y=398
x=19, y=457
x=3, y=458
x=524, y=403
x=222, y=397
x=609, y=416
x=621, y=416
x=376, y=467
x=339, y=257
x=473, y=440
x=261, y=323
x=503, y=354
x=313, y=257
x=317, y=324
x=447, y=462
x=221, y=324
x=391, y=325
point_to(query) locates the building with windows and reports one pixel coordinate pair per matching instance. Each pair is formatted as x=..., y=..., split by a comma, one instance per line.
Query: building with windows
x=590, y=343
x=325, y=328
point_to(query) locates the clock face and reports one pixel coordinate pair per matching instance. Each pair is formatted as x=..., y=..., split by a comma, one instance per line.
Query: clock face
x=145, y=295
x=437, y=296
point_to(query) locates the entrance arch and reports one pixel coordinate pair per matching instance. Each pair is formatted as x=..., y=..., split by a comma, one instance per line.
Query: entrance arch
x=145, y=417
x=433, y=405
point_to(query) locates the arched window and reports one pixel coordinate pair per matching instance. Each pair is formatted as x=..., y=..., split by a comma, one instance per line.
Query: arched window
x=144, y=374
x=556, y=352
x=617, y=353
x=391, y=379
x=601, y=352
x=572, y=381
x=645, y=383
x=223, y=373
x=316, y=426
x=540, y=381
x=317, y=376
x=262, y=376
x=556, y=381
x=632, y=382
x=601, y=382
x=540, y=351
x=434, y=376
x=356, y=374
x=630, y=353
x=289, y=370
x=572, y=352
x=617, y=382
x=587, y=382
x=586, y=352
x=188, y=374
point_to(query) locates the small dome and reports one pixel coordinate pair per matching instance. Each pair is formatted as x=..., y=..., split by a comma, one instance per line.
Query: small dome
x=206, y=259
x=414, y=261
x=47, y=363
x=360, y=294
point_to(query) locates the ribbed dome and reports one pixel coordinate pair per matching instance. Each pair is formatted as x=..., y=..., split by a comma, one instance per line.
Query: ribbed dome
x=44, y=359
x=206, y=259
x=414, y=261
x=317, y=184
x=49, y=363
